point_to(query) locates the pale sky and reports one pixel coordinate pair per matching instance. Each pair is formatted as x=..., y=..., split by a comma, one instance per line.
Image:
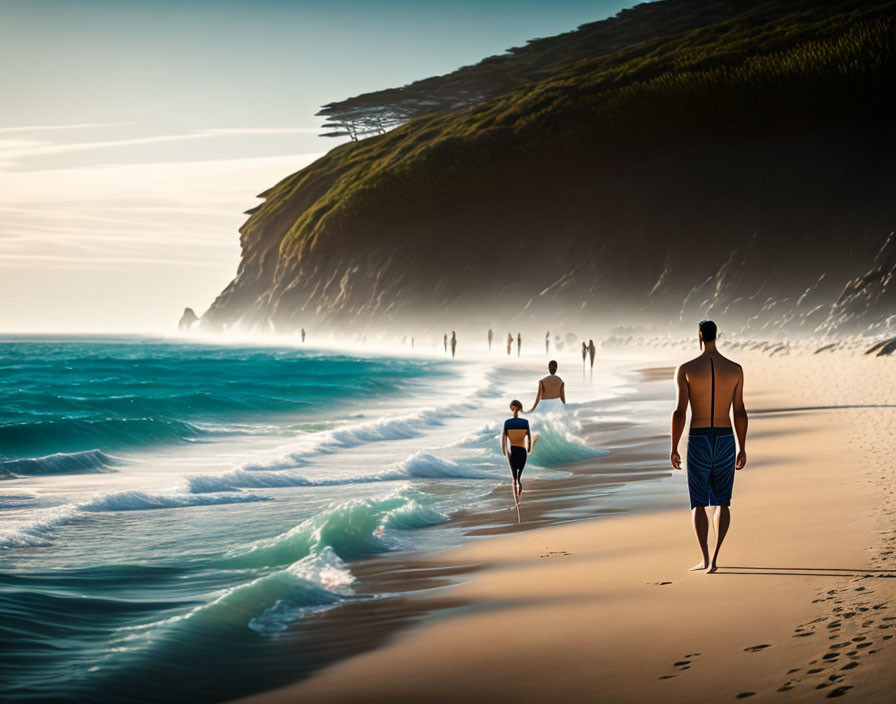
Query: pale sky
x=133, y=134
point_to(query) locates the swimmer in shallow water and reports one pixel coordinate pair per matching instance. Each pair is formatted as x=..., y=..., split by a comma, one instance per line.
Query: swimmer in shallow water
x=550, y=387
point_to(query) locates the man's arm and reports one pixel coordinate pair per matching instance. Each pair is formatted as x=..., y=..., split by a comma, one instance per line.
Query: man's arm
x=537, y=398
x=528, y=439
x=679, y=415
x=504, y=441
x=563, y=391
x=740, y=422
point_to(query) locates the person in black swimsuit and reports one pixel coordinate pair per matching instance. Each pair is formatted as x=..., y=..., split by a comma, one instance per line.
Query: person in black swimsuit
x=516, y=443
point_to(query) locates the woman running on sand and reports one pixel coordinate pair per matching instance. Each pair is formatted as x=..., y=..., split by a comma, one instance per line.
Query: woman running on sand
x=516, y=443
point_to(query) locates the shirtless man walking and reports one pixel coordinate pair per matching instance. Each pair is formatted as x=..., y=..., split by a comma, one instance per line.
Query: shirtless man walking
x=551, y=386
x=713, y=386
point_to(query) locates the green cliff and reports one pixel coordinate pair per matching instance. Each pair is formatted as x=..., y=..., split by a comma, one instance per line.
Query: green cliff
x=736, y=162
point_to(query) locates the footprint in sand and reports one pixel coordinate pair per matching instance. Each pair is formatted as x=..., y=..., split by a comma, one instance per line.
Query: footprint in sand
x=756, y=649
x=839, y=691
x=682, y=665
x=744, y=695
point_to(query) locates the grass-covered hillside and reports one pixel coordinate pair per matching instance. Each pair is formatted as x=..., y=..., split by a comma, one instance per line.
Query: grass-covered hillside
x=738, y=168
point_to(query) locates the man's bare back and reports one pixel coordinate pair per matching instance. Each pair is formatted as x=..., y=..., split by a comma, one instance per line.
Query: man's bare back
x=709, y=374
x=551, y=386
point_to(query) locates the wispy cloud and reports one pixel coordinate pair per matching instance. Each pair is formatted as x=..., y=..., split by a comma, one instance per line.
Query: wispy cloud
x=53, y=128
x=231, y=182
x=40, y=259
x=111, y=236
x=23, y=148
x=101, y=216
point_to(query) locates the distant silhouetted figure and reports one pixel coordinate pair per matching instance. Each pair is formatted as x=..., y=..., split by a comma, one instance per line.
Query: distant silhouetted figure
x=547, y=342
x=412, y=343
x=591, y=351
x=509, y=343
x=490, y=336
x=584, y=354
x=445, y=342
x=404, y=340
x=453, y=342
x=519, y=343
x=303, y=334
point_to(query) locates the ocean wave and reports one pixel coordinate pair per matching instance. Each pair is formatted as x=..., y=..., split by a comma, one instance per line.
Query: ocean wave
x=403, y=427
x=44, y=521
x=148, y=500
x=265, y=605
x=559, y=443
x=421, y=465
x=9, y=501
x=488, y=434
x=320, y=581
x=81, y=435
x=84, y=462
x=352, y=529
x=242, y=479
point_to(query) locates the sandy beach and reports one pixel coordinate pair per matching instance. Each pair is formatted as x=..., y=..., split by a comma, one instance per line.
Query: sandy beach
x=606, y=609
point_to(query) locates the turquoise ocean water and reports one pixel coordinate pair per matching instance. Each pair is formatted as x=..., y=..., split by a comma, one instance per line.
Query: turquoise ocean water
x=170, y=512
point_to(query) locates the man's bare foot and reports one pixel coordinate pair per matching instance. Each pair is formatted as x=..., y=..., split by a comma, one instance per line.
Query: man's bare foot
x=699, y=567
x=712, y=568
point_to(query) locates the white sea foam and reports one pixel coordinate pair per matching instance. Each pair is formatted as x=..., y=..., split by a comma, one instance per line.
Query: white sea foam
x=351, y=528
x=43, y=522
x=423, y=465
x=420, y=465
x=146, y=500
x=412, y=425
x=323, y=577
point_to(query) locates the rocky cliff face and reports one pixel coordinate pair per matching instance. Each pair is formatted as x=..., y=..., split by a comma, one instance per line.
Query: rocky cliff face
x=747, y=178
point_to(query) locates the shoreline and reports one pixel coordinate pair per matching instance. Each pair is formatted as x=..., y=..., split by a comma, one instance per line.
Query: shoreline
x=586, y=598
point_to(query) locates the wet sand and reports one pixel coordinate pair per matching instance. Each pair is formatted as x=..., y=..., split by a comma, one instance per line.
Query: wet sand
x=802, y=607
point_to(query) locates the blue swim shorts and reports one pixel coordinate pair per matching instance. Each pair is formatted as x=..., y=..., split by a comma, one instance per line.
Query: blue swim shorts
x=711, y=456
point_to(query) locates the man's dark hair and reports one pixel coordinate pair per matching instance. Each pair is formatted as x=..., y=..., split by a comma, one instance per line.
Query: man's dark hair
x=708, y=330
x=516, y=404
x=552, y=366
